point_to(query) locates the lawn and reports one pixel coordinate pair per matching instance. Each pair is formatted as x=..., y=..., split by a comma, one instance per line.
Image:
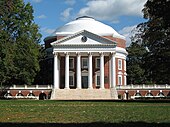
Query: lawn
x=67, y=113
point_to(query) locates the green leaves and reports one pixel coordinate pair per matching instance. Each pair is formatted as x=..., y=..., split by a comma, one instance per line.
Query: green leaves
x=158, y=40
x=19, y=35
x=135, y=68
x=155, y=36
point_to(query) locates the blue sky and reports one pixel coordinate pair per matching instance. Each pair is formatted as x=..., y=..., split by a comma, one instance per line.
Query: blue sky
x=122, y=15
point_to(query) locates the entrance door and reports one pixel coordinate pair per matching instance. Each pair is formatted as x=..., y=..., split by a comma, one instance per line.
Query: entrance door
x=84, y=81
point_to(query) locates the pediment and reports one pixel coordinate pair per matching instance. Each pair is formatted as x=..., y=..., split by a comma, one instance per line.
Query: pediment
x=83, y=38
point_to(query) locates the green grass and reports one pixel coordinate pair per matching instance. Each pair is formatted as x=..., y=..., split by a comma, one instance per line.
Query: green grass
x=33, y=111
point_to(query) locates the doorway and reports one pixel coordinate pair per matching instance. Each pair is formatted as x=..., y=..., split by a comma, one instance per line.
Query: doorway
x=84, y=82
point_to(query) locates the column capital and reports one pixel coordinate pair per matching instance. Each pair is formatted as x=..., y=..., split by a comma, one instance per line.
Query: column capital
x=78, y=53
x=101, y=53
x=113, y=53
x=55, y=53
x=90, y=53
x=66, y=53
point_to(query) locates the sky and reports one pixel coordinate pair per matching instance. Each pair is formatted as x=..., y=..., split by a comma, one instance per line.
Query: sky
x=121, y=15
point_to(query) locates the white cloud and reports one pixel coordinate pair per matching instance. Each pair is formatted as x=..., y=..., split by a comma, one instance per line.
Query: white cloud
x=47, y=30
x=66, y=14
x=70, y=2
x=42, y=16
x=37, y=1
x=127, y=32
x=109, y=9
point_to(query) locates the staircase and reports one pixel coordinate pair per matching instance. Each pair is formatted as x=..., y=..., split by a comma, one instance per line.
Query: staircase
x=84, y=94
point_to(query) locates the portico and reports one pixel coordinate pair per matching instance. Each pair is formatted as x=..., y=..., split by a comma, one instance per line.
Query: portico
x=84, y=69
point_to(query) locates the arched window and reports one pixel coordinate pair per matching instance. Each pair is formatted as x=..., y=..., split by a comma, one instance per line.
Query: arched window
x=149, y=94
x=8, y=95
x=160, y=94
x=42, y=96
x=138, y=94
x=31, y=95
x=19, y=95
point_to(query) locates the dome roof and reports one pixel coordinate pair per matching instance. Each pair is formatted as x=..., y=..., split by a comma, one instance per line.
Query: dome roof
x=86, y=23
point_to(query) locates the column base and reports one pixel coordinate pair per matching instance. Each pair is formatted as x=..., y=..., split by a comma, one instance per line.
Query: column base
x=90, y=88
x=102, y=88
x=67, y=88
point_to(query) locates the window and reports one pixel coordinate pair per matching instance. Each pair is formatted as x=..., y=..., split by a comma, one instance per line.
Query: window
x=119, y=64
x=161, y=94
x=71, y=63
x=71, y=79
x=138, y=94
x=97, y=62
x=84, y=62
x=149, y=95
x=97, y=79
x=119, y=79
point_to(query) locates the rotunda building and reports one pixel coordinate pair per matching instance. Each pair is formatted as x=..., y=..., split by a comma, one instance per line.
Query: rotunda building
x=89, y=60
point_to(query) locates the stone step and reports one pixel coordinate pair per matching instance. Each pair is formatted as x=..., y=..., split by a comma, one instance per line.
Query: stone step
x=84, y=94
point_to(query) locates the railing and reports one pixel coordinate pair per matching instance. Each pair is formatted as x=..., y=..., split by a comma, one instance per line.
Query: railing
x=49, y=87
x=25, y=87
x=155, y=86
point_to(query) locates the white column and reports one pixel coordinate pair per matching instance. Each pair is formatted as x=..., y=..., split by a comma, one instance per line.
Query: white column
x=102, y=71
x=78, y=71
x=66, y=71
x=113, y=71
x=90, y=76
x=56, y=71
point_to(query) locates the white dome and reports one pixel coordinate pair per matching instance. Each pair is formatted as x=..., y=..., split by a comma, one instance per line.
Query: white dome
x=86, y=23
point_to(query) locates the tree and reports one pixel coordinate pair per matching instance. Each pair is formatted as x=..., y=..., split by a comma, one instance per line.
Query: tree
x=19, y=38
x=135, y=62
x=156, y=37
x=45, y=75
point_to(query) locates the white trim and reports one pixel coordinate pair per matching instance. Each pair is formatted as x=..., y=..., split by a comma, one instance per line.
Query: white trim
x=125, y=81
x=83, y=33
x=120, y=73
x=67, y=71
x=90, y=71
x=113, y=70
x=102, y=71
x=56, y=71
x=84, y=73
x=79, y=84
x=124, y=65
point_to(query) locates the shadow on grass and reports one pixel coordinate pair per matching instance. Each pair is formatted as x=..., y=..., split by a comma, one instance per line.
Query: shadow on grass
x=94, y=124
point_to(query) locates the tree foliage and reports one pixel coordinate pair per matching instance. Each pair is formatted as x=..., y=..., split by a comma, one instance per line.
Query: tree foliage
x=155, y=37
x=19, y=38
x=135, y=63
